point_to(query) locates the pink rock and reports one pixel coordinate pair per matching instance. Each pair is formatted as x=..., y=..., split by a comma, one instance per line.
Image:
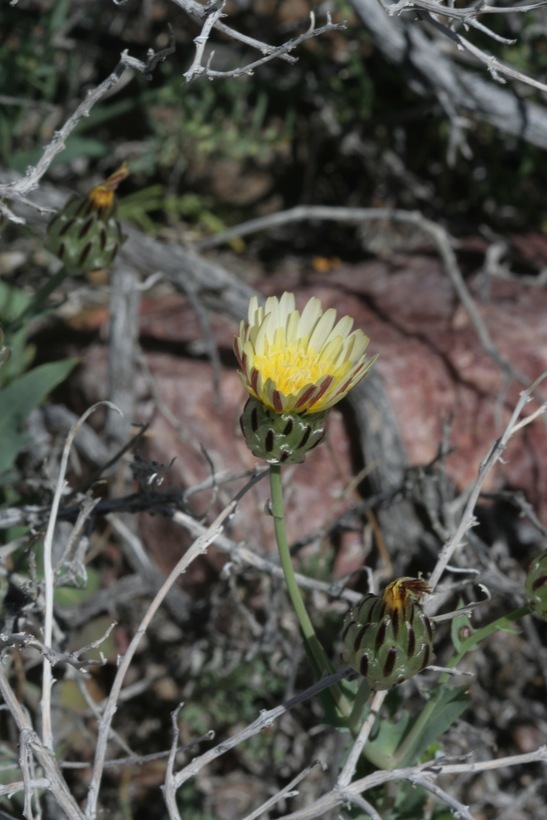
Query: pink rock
x=433, y=370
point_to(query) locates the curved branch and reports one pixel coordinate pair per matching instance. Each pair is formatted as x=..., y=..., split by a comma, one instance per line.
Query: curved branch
x=432, y=73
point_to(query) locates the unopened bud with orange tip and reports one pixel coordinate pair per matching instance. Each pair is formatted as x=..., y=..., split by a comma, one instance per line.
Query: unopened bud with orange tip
x=85, y=234
x=102, y=196
x=402, y=594
x=388, y=638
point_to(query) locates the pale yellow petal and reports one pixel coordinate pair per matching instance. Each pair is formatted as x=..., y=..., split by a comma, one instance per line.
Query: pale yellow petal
x=310, y=316
x=322, y=329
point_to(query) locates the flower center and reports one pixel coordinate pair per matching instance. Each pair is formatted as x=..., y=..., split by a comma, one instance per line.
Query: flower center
x=291, y=368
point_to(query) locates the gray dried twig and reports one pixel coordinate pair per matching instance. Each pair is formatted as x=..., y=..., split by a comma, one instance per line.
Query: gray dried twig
x=31, y=743
x=49, y=578
x=19, y=188
x=497, y=449
x=264, y=721
x=197, y=69
x=199, y=547
x=434, y=73
x=443, y=241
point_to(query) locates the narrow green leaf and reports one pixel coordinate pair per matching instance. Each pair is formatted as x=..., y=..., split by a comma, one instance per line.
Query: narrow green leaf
x=382, y=748
x=20, y=398
x=449, y=704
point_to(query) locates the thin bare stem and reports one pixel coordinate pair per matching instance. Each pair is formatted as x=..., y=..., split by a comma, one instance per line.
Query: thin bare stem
x=20, y=187
x=494, y=455
x=348, y=771
x=45, y=757
x=49, y=574
x=458, y=808
x=169, y=789
x=196, y=69
x=9, y=789
x=199, y=547
x=264, y=721
x=432, y=768
x=285, y=792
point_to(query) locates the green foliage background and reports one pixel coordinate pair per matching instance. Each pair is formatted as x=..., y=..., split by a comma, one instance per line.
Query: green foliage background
x=320, y=131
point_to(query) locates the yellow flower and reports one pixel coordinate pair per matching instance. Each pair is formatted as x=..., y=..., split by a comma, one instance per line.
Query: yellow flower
x=299, y=362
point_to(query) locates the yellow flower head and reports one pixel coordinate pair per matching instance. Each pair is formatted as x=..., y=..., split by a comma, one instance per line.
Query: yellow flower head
x=299, y=362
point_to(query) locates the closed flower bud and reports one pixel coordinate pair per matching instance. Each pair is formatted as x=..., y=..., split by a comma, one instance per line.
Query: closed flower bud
x=388, y=638
x=85, y=234
x=536, y=585
x=280, y=438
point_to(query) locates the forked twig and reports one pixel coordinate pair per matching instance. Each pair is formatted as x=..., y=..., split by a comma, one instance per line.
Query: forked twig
x=197, y=69
x=264, y=721
x=494, y=455
x=29, y=740
x=49, y=574
x=435, y=13
x=199, y=547
x=442, y=239
x=350, y=765
x=284, y=793
x=431, y=768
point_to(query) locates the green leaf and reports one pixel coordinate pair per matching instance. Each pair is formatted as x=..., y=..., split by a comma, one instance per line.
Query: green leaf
x=19, y=399
x=445, y=709
x=20, y=360
x=13, y=302
x=76, y=596
x=76, y=148
x=382, y=748
x=460, y=630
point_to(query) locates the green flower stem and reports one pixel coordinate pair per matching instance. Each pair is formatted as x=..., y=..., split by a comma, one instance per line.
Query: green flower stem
x=405, y=752
x=319, y=660
x=362, y=696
